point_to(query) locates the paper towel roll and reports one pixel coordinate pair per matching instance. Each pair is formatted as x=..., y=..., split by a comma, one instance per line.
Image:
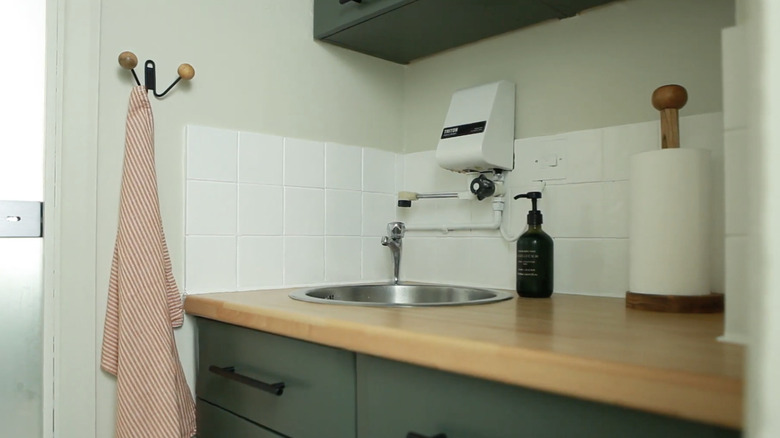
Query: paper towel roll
x=669, y=231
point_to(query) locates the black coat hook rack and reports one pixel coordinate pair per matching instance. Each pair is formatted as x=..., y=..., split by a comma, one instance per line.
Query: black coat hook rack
x=129, y=61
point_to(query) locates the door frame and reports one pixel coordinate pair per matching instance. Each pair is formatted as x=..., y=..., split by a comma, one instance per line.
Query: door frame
x=69, y=328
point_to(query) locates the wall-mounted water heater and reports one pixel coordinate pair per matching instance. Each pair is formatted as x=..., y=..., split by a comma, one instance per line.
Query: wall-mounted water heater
x=479, y=129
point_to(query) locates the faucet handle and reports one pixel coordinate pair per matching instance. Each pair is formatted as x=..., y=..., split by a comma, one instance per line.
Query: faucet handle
x=396, y=230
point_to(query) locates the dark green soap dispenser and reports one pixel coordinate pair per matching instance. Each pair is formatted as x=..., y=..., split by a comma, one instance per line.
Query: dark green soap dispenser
x=534, y=255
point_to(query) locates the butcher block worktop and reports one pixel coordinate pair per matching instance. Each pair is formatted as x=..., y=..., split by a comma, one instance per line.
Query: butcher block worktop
x=586, y=347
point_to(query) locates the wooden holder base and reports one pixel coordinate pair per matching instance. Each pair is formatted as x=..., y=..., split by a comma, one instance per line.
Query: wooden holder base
x=712, y=303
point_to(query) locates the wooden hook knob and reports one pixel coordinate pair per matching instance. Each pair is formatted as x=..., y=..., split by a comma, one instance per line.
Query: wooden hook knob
x=668, y=100
x=128, y=60
x=186, y=72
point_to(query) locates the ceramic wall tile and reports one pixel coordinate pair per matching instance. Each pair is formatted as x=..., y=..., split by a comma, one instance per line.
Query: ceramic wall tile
x=260, y=210
x=304, y=163
x=260, y=158
x=378, y=171
x=304, y=212
x=304, y=261
x=621, y=142
x=378, y=210
x=343, y=167
x=591, y=266
x=260, y=262
x=343, y=213
x=343, y=259
x=377, y=261
x=211, y=154
x=210, y=264
x=211, y=208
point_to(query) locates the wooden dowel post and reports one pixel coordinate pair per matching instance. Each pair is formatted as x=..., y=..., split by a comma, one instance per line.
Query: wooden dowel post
x=668, y=100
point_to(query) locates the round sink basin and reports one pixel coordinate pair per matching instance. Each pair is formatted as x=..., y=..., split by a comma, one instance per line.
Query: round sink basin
x=411, y=295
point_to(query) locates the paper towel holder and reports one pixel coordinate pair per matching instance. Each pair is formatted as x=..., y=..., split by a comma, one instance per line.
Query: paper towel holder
x=669, y=99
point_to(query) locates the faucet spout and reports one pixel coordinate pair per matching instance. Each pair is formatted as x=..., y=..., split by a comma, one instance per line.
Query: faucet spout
x=394, y=241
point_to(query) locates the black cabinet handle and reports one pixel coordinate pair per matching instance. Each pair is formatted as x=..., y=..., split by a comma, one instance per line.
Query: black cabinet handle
x=347, y=1
x=417, y=435
x=230, y=373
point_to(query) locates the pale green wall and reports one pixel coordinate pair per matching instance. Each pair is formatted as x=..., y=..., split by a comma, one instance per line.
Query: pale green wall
x=591, y=71
x=257, y=69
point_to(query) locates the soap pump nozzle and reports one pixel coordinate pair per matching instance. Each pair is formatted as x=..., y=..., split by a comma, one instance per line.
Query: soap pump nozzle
x=534, y=215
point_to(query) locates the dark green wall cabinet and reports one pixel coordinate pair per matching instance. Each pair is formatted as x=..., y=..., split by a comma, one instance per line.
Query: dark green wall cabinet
x=404, y=30
x=333, y=393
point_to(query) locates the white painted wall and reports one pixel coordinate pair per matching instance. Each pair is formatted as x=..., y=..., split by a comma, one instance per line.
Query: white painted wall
x=591, y=71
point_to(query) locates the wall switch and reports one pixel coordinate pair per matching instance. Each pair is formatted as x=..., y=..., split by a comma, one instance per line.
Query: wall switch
x=545, y=158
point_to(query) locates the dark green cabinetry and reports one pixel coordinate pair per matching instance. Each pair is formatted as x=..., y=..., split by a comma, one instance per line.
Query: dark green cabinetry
x=318, y=400
x=217, y=422
x=404, y=30
x=396, y=398
x=333, y=393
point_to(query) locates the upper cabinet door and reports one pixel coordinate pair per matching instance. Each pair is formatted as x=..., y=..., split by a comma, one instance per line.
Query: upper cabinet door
x=404, y=30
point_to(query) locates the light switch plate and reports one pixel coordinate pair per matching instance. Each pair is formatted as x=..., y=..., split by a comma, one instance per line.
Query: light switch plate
x=548, y=159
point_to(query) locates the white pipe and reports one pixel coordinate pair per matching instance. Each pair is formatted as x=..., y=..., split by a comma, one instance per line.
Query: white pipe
x=498, y=208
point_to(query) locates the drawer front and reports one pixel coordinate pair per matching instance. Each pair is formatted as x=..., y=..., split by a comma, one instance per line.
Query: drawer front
x=318, y=400
x=214, y=422
x=395, y=399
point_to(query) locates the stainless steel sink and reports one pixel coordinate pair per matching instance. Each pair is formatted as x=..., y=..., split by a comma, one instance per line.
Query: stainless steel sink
x=410, y=295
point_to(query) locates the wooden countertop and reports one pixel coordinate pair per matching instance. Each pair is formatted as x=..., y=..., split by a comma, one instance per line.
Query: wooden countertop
x=587, y=347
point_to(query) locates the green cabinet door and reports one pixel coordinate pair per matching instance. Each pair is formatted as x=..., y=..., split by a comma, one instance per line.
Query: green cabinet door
x=395, y=399
x=318, y=400
x=215, y=422
x=404, y=30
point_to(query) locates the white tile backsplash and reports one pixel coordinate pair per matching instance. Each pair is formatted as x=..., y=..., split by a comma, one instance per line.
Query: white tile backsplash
x=304, y=212
x=212, y=154
x=621, y=142
x=211, y=208
x=343, y=213
x=260, y=158
x=318, y=215
x=343, y=259
x=260, y=210
x=260, y=262
x=343, y=167
x=210, y=264
x=378, y=171
x=591, y=266
x=584, y=157
x=263, y=224
x=378, y=210
x=304, y=163
x=377, y=261
x=304, y=261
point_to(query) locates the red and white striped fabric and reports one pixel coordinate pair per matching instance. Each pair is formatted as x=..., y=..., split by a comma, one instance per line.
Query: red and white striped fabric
x=144, y=304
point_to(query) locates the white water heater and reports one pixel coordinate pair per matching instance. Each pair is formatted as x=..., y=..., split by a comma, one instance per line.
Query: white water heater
x=479, y=130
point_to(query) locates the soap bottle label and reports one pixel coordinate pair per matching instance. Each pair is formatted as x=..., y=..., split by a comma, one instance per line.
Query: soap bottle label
x=526, y=262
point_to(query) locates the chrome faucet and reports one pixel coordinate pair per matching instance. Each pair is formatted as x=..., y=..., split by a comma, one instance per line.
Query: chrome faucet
x=394, y=241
